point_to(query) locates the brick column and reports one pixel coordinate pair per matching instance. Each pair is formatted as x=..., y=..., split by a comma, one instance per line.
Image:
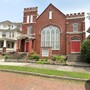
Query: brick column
x=30, y=46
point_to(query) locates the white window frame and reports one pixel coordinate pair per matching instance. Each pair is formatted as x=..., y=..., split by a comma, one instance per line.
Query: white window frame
x=3, y=34
x=12, y=34
x=52, y=41
x=31, y=18
x=75, y=27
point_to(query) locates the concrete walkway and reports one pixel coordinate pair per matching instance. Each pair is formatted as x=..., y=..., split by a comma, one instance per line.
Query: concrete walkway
x=52, y=67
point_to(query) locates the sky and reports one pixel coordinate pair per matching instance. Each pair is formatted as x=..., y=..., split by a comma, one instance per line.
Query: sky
x=13, y=9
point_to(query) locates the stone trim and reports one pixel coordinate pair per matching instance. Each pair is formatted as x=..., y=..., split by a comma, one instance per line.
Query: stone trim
x=80, y=17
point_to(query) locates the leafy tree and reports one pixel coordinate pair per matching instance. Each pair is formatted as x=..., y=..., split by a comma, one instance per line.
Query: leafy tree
x=85, y=51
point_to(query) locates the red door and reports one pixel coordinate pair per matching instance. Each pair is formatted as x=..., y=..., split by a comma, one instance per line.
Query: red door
x=75, y=46
x=27, y=46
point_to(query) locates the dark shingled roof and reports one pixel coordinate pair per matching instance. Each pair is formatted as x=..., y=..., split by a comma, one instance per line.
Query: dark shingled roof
x=17, y=24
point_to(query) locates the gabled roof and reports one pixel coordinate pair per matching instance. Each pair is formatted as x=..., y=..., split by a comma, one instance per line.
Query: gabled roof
x=52, y=6
x=7, y=22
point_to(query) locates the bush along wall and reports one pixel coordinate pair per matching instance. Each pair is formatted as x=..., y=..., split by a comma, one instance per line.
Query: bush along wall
x=85, y=51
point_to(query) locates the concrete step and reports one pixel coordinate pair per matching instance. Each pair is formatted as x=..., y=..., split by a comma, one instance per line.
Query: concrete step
x=74, y=57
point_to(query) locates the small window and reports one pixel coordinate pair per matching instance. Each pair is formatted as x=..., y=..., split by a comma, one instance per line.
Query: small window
x=8, y=45
x=12, y=34
x=75, y=38
x=3, y=34
x=12, y=45
x=12, y=26
x=9, y=34
x=4, y=26
x=75, y=27
x=50, y=14
x=1, y=44
x=9, y=26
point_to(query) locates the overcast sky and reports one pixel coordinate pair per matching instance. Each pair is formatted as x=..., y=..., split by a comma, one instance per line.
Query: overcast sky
x=13, y=9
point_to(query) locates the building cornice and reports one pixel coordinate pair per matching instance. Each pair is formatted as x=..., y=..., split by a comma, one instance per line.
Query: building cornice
x=79, y=17
x=29, y=23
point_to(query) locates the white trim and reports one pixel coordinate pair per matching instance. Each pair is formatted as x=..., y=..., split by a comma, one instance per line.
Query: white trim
x=75, y=52
x=74, y=32
x=75, y=40
x=75, y=17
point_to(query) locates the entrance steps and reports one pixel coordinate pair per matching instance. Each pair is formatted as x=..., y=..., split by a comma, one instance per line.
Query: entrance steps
x=74, y=57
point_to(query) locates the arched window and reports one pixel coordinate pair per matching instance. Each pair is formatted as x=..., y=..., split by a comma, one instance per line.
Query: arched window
x=50, y=14
x=28, y=19
x=75, y=38
x=50, y=37
x=75, y=27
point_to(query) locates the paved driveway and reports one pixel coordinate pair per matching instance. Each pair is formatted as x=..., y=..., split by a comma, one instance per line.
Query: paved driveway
x=12, y=81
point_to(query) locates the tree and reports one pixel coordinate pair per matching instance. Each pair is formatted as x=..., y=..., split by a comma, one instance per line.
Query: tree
x=85, y=51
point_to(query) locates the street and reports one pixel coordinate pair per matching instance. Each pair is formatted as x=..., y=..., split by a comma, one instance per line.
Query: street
x=12, y=81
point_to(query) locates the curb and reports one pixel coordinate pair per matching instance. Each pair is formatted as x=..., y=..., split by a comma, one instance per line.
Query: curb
x=43, y=75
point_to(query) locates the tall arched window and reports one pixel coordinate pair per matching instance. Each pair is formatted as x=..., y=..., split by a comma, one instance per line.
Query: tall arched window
x=50, y=14
x=28, y=19
x=50, y=37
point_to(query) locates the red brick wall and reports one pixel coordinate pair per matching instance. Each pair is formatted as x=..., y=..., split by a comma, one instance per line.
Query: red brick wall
x=76, y=18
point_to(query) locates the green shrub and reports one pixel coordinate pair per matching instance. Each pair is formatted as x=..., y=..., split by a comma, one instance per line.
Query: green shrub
x=63, y=59
x=44, y=61
x=85, y=51
x=54, y=58
x=59, y=59
x=34, y=56
x=6, y=57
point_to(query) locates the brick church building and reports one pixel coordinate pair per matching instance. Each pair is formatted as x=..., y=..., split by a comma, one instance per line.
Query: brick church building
x=52, y=32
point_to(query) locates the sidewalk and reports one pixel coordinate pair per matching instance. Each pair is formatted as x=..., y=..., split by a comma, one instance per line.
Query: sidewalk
x=52, y=67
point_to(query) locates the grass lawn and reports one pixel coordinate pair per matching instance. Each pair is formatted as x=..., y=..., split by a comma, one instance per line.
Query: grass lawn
x=47, y=71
